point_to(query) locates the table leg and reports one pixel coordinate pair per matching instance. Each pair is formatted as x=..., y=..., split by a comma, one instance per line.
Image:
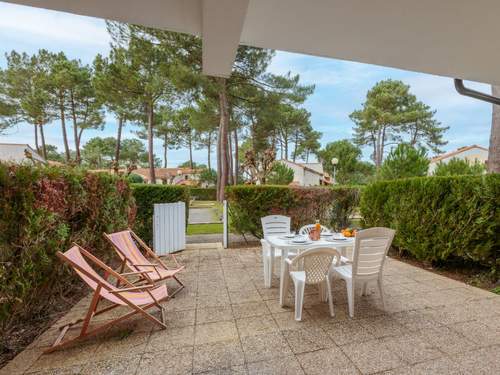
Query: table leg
x=269, y=279
x=283, y=277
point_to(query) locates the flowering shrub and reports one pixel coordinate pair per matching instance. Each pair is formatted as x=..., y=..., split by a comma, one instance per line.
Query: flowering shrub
x=43, y=210
x=332, y=206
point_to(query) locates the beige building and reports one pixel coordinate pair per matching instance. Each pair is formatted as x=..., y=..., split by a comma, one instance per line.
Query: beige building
x=472, y=154
x=19, y=153
x=172, y=176
x=307, y=174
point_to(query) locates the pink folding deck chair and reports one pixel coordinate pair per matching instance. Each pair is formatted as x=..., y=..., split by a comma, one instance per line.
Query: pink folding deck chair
x=128, y=246
x=138, y=298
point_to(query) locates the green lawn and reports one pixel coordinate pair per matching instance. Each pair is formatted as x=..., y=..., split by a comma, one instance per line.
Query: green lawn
x=204, y=228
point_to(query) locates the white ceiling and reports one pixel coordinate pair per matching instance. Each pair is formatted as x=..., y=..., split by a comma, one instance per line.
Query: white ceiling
x=454, y=38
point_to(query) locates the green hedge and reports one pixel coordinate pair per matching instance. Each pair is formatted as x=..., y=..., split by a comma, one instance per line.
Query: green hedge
x=332, y=206
x=146, y=196
x=43, y=210
x=437, y=218
x=203, y=194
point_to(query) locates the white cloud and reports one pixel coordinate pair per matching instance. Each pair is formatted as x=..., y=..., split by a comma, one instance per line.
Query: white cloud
x=439, y=92
x=56, y=26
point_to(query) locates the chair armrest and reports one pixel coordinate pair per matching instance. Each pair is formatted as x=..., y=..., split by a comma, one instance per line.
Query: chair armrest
x=344, y=260
x=147, y=265
x=135, y=273
x=140, y=288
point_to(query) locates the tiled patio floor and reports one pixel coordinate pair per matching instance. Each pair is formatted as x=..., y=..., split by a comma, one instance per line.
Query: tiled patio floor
x=226, y=322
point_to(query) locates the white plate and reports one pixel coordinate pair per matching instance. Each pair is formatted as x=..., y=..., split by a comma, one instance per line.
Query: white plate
x=326, y=234
x=300, y=240
x=339, y=238
x=290, y=236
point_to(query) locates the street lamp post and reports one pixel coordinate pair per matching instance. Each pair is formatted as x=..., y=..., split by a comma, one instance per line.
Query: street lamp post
x=335, y=161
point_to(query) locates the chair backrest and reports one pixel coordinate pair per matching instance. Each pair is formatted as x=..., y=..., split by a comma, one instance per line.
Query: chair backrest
x=275, y=225
x=370, y=248
x=306, y=229
x=127, y=249
x=316, y=262
x=75, y=257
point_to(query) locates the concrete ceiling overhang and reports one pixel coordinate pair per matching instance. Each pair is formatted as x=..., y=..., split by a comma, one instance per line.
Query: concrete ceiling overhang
x=454, y=38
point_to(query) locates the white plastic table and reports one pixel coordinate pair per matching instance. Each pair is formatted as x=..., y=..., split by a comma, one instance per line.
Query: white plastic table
x=286, y=245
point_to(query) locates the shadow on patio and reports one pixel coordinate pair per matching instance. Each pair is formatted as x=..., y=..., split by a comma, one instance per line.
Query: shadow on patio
x=226, y=321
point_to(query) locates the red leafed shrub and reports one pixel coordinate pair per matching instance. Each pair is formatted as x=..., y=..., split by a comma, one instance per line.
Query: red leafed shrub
x=51, y=195
x=43, y=210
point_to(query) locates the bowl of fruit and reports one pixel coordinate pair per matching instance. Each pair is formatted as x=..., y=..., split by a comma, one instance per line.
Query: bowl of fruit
x=349, y=232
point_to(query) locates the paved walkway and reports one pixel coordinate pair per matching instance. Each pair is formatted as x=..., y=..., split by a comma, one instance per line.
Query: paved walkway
x=203, y=215
x=226, y=322
x=217, y=237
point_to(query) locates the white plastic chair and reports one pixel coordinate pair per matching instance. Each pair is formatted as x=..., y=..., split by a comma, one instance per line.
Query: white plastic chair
x=272, y=225
x=310, y=267
x=370, y=250
x=306, y=229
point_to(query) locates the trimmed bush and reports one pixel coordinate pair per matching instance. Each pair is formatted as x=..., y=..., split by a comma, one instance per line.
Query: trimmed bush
x=146, y=196
x=437, y=218
x=203, y=194
x=332, y=206
x=135, y=178
x=43, y=210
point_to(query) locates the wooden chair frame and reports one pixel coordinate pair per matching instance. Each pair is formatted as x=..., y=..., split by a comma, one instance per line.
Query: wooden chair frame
x=145, y=276
x=96, y=298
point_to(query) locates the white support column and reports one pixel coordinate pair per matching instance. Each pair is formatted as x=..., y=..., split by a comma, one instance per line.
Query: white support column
x=221, y=30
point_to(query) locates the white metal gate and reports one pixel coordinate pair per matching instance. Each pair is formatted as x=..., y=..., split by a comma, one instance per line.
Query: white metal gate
x=169, y=227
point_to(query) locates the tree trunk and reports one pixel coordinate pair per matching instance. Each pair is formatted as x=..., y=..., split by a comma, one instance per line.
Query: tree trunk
x=80, y=132
x=190, y=144
x=414, y=136
x=42, y=137
x=151, y=159
x=230, y=158
x=382, y=147
x=223, y=127
x=236, y=160
x=209, y=146
x=118, y=144
x=494, y=149
x=295, y=147
x=63, y=126
x=165, y=149
x=36, y=139
x=218, y=156
x=75, y=129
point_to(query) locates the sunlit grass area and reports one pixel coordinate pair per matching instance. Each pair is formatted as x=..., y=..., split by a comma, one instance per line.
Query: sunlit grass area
x=204, y=228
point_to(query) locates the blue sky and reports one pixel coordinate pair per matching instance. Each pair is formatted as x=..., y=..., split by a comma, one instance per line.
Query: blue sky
x=341, y=86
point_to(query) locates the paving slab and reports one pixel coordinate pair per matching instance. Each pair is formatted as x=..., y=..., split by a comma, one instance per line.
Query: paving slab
x=226, y=322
